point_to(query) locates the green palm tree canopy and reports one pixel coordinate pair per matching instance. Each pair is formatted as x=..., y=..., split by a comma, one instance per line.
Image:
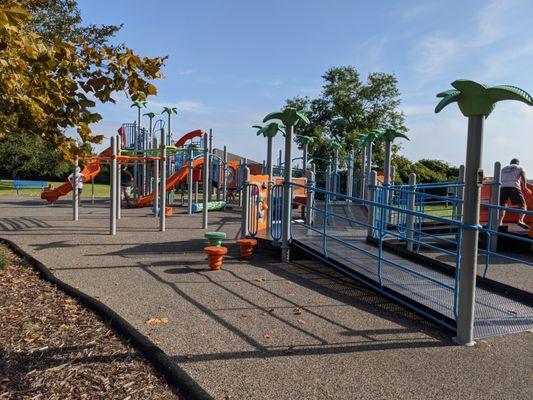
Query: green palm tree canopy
x=139, y=104
x=369, y=137
x=169, y=110
x=290, y=116
x=307, y=140
x=476, y=99
x=388, y=135
x=150, y=114
x=269, y=130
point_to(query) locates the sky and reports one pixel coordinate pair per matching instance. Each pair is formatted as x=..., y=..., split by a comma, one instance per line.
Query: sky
x=233, y=61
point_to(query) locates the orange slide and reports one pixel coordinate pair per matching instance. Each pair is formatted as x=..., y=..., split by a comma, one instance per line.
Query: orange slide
x=89, y=172
x=175, y=179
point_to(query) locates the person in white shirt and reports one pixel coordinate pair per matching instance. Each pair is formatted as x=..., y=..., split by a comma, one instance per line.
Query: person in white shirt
x=79, y=182
x=513, y=179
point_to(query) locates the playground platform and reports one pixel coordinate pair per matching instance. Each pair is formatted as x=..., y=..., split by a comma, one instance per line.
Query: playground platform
x=260, y=329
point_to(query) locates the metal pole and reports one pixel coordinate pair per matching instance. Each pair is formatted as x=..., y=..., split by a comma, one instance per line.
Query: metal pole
x=205, y=184
x=368, y=165
x=460, y=194
x=135, y=149
x=362, y=179
x=349, y=176
x=287, y=196
x=225, y=175
x=92, y=190
x=156, y=187
x=373, y=181
x=270, y=173
x=495, y=201
x=469, y=243
x=246, y=202
x=112, y=190
x=163, y=190
x=196, y=192
x=210, y=164
x=117, y=185
x=309, y=215
x=75, y=194
x=410, y=220
x=190, y=181
x=304, y=158
x=336, y=172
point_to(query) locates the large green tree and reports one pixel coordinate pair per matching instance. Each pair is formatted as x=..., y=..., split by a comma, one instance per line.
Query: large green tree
x=349, y=106
x=54, y=70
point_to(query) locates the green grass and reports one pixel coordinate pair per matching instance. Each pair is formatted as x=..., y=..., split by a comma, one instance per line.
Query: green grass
x=439, y=210
x=6, y=188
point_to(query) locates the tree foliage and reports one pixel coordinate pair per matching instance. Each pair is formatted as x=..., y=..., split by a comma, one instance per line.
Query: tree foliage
x=29, y=157
x=53, y=71
x=349, y=106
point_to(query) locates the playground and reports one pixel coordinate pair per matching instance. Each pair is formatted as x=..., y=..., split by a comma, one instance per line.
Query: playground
x=259, y=328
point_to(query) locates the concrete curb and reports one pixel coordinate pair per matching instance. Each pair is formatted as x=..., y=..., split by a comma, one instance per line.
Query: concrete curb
x=175, y=376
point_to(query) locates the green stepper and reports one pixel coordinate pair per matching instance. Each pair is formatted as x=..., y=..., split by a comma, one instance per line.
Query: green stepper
x=215, y=238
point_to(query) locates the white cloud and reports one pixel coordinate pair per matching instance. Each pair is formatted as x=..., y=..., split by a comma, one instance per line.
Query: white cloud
x=432, y=55
x=497, y=20
x=192, y=106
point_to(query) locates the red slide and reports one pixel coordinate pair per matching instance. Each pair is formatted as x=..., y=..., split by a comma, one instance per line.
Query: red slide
x=175, y=179
x=89, y=172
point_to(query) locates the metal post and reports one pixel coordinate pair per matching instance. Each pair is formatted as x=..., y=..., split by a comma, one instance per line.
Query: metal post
x=373, y=181
x=92, y=190
x=112, y=190
x=225, y=175
x=75, y=194
x=245, y=218
x=117, y=186
x=304, y=158
x=410, y=220
x=470, y=235
x=495, y=201
x=460, y=194
x=196, y=192
x=270, y=173
x=287, y=196
x=336, y=172
x=156, y=187
x=362, y=179
x=309, y=211
x=368, y=166
x=163, y=190
x=210, y=164
x=135, y=150
x=328, y=178
x=349, y=177
x=205, y=184
x=190, y=181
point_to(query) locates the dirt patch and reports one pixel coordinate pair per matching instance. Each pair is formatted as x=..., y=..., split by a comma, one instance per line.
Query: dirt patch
x=51, y=347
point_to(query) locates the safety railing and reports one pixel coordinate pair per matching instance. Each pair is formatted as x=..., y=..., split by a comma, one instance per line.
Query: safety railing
x=275, y=215
x=329, y=236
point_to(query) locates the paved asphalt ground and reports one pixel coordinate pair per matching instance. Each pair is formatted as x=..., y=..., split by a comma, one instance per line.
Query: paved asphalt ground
x=261, y=329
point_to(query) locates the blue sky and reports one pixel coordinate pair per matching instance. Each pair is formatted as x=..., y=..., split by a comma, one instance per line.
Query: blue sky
x=232, y=62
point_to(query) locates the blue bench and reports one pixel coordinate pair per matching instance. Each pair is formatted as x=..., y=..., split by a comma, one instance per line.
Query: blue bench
x=29, y=184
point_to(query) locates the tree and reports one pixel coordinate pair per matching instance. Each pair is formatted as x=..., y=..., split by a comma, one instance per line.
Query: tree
x=52, y=75
x=28, y=157
x=348, y=106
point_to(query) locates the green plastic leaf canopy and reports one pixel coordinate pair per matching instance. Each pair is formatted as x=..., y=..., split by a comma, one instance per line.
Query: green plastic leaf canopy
x=388, y=135
x=269, y=130
x=290, y=116
x=476, y=99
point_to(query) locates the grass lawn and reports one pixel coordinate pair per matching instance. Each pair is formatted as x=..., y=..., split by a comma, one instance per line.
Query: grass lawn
x=6, y=188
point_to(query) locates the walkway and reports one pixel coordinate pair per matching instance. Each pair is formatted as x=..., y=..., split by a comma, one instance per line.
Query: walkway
x=261, y=329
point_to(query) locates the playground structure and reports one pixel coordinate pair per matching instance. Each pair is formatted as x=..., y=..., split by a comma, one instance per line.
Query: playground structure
x=349, y=215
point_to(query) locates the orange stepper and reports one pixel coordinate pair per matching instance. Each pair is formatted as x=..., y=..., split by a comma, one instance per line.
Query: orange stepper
x=247, y=247
x=216, y=255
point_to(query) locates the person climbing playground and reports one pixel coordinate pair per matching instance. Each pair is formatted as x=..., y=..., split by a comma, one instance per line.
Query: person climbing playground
x=513, y=179
x=126, y=180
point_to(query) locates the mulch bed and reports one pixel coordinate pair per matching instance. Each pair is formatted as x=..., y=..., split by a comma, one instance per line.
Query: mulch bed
x=51, y=347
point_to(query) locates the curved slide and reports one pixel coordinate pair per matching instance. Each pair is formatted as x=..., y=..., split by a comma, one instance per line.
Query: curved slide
x=175, y=179
x=89, y=172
